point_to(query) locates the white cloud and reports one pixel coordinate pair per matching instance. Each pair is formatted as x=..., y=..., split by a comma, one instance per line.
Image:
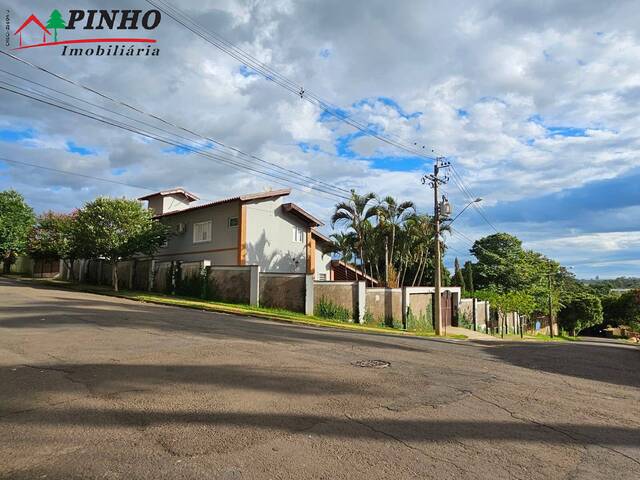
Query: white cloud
x=478, y=72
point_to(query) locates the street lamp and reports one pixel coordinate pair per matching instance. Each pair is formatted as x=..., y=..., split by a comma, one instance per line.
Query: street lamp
x=477, y=200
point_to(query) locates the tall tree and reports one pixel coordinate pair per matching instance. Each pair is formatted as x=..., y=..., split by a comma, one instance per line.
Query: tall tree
x=467, y=270
x=458, y=278
x=391, y=216
x=56, y=21
x=583, y=311
x=503, y=265
x=16, y=220
x=55, y=235
x=355, y=214
x=118, y=229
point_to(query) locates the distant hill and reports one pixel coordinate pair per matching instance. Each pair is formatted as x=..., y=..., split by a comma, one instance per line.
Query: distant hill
x=620, y=282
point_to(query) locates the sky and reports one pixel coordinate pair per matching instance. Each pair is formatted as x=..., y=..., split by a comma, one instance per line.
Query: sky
x=536, y=104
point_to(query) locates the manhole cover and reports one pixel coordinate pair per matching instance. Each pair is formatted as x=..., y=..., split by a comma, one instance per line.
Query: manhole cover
x=371, y=364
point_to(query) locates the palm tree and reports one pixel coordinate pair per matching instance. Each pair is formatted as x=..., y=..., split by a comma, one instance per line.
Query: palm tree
x=392, y=216
x=355, y=214
x=416, y=237
x=343, y=244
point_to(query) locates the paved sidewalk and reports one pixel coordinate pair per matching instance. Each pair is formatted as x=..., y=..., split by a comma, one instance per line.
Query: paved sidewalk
x=471, y=335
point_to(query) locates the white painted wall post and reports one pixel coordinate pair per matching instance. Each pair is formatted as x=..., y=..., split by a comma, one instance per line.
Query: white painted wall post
x=254, y=287
x=204, y=277
x=362, y=301
x=308, y=294
x=405, y=307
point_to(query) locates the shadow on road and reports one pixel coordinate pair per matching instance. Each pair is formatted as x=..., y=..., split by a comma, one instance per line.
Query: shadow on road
x=66, y=312
x=609, y=364
x=334, y=426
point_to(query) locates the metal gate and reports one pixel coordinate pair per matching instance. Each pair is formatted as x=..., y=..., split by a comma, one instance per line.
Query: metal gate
x=446, y=306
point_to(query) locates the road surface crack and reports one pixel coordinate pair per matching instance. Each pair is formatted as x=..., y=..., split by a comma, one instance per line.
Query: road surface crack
x=66, y=373
x=406, y=444
x=576, y=439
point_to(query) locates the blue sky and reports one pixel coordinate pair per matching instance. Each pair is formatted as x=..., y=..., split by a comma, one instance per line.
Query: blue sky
x=536, y=104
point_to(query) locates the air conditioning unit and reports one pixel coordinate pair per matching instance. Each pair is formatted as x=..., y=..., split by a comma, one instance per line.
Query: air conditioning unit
x=181, y=227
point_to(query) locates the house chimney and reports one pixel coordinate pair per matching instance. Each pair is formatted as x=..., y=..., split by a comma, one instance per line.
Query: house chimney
x=169, y=200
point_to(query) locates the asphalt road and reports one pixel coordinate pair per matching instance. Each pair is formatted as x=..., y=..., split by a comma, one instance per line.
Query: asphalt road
x=96, y=387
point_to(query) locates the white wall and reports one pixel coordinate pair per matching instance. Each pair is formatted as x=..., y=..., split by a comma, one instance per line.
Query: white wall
x=269, y=238
x=323, y=263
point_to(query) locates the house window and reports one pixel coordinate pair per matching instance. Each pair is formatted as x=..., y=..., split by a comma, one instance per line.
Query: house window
x=202, y=232
x=298, y=235
x=322, y=277
x=232, y=222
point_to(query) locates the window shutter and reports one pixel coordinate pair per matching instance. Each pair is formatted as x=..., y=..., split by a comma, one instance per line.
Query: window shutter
x=201, y=232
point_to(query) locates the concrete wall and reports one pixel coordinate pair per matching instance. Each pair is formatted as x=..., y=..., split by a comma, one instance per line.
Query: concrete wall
x=141, y=275
x=229, y=284
x=269, y=238
x=343, y=294
x=22, y=265
x=286, y=291
x=161, y=280
x=222, y=249
x=419, y=311
x=465, y=309
x=385, y=305
x=482, y=314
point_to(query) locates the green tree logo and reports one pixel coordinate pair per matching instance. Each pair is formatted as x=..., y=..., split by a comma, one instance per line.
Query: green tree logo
x=55, y=21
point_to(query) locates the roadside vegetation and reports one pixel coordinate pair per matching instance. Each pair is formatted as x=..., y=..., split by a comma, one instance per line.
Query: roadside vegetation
x=386, y=238
x=233, y=308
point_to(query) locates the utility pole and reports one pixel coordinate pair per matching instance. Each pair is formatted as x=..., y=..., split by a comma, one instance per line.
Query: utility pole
x=386, y=261
x=550, y=301
x=435, y=181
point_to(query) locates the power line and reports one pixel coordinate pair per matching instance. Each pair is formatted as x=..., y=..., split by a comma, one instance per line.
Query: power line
x=296, y=88
x=465, y=190
x=272, y=75
x=328, y=188
x=218, y=158
x=66, y=172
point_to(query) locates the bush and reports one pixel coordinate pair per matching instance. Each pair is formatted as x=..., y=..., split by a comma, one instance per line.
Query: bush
x=329, y=310
x=420, y=323
x=463, y=321
x=368, y=317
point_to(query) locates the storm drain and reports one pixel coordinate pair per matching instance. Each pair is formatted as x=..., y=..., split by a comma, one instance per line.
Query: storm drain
x=371, y=364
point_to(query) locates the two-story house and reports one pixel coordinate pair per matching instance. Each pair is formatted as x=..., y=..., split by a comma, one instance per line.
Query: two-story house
x=254, y=229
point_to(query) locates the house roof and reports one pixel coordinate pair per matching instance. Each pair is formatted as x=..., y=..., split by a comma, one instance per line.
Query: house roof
x=335, y=264
x=240, y=198
x=301, y=214
x=320, y=236
x=32, y=18
x=178, y=190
